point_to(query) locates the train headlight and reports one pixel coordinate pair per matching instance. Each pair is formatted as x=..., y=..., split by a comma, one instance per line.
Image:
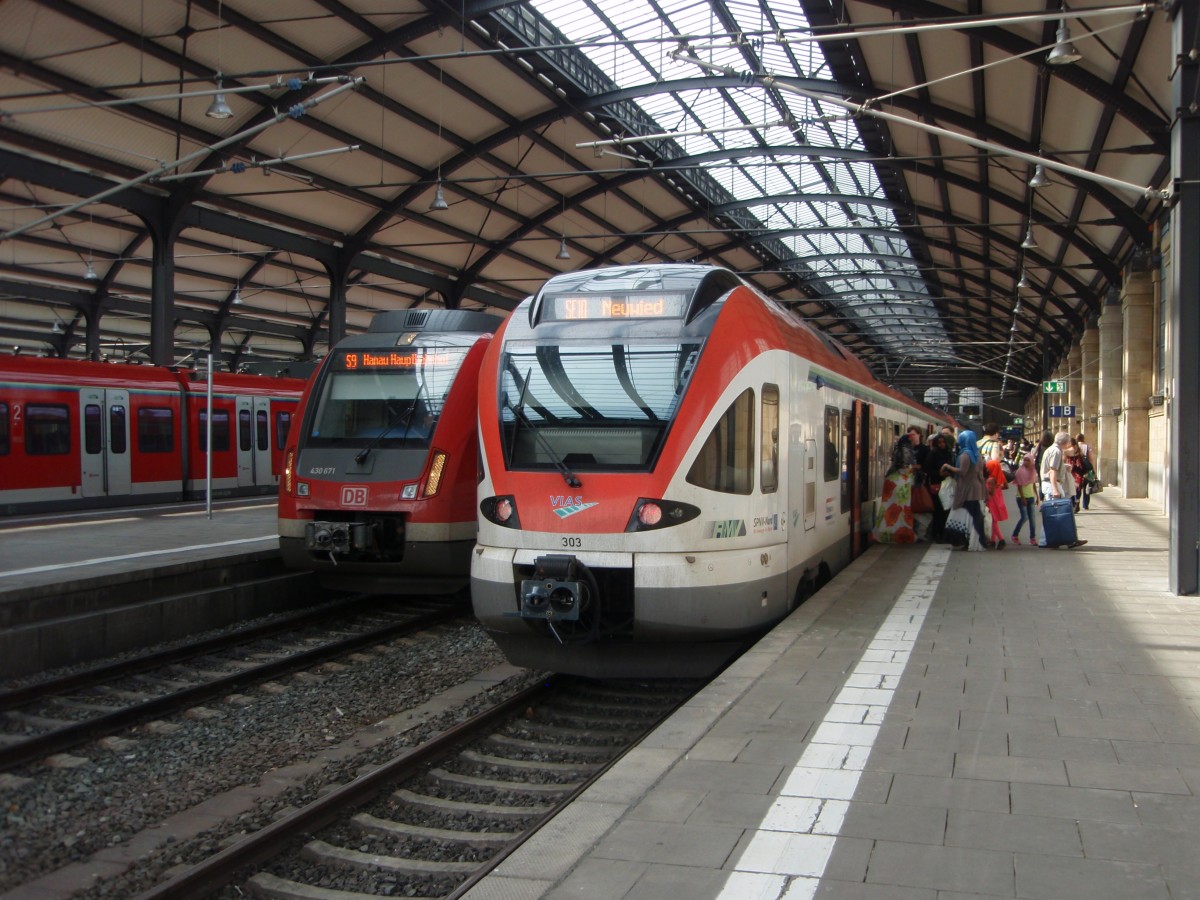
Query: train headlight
x=501, y=511
x=649, y=514
x=434, y=481
x=289, y=469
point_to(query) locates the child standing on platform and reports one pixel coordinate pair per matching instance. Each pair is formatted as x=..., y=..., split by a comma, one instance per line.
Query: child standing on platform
x=1025, y=480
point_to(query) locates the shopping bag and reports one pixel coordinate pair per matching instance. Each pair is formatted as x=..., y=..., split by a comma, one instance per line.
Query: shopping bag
x=922, y=499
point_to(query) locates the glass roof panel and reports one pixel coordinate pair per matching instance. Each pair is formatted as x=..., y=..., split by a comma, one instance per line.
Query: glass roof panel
x=815, y=204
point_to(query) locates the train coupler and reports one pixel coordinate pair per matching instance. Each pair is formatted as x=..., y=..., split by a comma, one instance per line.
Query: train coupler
x=556, y=591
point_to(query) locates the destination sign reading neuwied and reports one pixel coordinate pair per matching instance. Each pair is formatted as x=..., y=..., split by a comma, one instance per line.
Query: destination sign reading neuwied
x=568, y=307
x=394, y=359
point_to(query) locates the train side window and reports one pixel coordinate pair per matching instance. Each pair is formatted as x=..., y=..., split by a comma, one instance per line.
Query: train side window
x=155, y=430
x=118, y=429
x=847, y=425
x=220, y=430
x=768, y=467
x=726, y=461
x=47, y=430
x=93, y=430
x=283, y=425
x=262, y=430
x=832, y=458
x=5, y=430
x=244, y=440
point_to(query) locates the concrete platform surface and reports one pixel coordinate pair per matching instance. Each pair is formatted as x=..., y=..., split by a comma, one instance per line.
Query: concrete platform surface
x=933, y=724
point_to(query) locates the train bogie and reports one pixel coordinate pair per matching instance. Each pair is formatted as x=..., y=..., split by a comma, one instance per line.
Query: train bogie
x=671, y=464
x=378, y=493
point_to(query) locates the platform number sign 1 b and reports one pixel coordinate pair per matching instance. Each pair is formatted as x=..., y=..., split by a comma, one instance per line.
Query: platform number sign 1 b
x=1054, y=387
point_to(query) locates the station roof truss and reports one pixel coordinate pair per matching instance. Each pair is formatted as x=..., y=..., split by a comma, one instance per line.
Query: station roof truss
x=866, y=162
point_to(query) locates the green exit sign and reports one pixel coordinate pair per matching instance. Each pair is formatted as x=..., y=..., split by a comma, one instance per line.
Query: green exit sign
x=1054, y=387
x=1018, y=420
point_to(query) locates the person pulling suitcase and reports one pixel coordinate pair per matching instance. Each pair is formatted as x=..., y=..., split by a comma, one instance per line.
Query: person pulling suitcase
x=1058, y=487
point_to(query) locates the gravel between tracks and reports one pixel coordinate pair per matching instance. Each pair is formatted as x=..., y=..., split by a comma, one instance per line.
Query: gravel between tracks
x=66, y=815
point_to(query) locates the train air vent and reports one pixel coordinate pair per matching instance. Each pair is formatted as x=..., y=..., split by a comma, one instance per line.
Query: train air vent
x=416, y=318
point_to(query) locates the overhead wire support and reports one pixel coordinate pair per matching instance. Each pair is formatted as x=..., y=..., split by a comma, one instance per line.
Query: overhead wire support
x=295, y=111
x=238, y=166
x=684, y=53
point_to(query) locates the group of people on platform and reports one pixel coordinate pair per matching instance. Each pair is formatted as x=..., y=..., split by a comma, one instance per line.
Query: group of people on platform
x=953, y=488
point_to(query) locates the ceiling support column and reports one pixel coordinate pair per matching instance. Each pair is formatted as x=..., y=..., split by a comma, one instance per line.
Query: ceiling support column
x=1074, y=387
x=335, y=311
x=1137, y=307
x=1108, y=419
x=164, y=228
x=1183, y=374
x=1089, y=391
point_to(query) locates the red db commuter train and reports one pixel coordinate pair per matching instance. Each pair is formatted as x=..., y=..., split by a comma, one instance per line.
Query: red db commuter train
x=76, y=434
x=671, y=463
x=378, y=493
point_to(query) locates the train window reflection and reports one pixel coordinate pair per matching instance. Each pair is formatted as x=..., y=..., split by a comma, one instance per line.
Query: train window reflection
x=833, y=466
x=93, y=431
x=47, y=429
x=591, y=407
x=769, y=462
x=220, y=430
x=5, y=430
x=156, y=430
x=262, y=430
x=726, y=461
x=283, y=424
x=396, y=407
x=244, y=442
x=118, y=429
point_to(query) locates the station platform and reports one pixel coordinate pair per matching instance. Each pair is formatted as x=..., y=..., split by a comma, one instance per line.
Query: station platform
x=58, y=548
x=932, y=724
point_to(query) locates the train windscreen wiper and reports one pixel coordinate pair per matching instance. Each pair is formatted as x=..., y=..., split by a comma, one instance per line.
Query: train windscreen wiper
x=407, y=416
x=520, y=418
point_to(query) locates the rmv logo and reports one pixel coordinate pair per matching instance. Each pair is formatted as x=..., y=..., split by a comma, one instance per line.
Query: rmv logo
x=354, y=495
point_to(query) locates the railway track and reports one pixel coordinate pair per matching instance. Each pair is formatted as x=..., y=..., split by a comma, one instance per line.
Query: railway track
x=56, y=715
x=434, y=821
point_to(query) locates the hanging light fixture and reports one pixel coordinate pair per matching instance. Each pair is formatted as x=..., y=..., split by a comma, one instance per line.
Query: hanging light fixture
x=1039, y=179
x=439, y=199
x=1029, y=243
x=237, y=296
x=563, y=252
x=57, y=329
x=1063, y=53
x=89, y=273
x=1024, y=282
x=219, y=109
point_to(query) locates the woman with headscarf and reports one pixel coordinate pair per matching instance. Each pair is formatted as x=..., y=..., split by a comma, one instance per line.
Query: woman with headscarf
x=970, y=482
x=1027, y=497
x=895, y=523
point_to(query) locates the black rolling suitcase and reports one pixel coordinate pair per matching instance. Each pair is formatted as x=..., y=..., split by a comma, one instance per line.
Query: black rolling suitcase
x=1058, y=523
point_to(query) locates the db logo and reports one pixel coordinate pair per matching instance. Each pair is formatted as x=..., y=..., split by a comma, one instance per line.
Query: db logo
x=354, y=495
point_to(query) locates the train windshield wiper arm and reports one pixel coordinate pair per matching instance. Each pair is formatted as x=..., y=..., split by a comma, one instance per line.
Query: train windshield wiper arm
x=520, y=418
x=404, y=419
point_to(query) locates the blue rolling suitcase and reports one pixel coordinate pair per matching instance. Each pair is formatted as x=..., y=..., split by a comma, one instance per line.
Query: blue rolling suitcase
x=1058, y=523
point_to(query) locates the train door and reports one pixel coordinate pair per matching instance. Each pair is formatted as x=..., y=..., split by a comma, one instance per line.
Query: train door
x=859, y=444
x=262, y=441
x=245, y=441
x=104, y=450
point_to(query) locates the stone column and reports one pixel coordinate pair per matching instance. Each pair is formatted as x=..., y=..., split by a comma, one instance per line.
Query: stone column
x=1089, y=393
x=1137, y=306
x=1074, y=388
x=1108, y=424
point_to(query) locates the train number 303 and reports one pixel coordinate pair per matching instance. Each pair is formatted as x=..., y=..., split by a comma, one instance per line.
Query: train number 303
x=573, y=542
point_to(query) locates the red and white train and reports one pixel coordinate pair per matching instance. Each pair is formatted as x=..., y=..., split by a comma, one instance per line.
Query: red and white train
x=77, y=434
x=378, y=493
x=671, y=462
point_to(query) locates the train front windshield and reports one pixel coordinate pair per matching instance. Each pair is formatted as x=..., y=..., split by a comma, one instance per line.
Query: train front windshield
x=387, y=397
x=591, y=407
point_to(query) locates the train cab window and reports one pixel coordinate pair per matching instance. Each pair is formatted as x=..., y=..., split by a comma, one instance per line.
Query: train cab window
x=833, y=458
x=93, y=429
x=220, y=430
x=244, y=440
x=262, y=430
x=155, y=430
x=47, y=429
x=726, y=461
x=5, y=430
x=768, y=467
x=118, y=429
x=283, y=425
